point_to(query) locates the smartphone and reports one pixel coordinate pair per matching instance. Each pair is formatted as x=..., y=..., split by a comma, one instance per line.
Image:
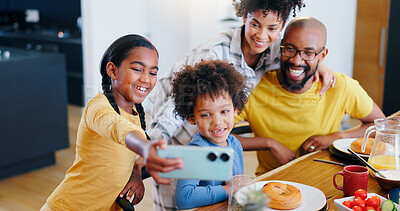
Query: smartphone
x=202, y=163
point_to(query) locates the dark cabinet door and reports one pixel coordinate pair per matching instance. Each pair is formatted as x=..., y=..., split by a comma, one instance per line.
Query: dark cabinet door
x=370, y=46
x=72, y=49
x=391, y=97
x=377, y=51
x=33, y=110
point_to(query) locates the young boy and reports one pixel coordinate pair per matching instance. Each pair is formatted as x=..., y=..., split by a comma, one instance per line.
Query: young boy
x=209, y=95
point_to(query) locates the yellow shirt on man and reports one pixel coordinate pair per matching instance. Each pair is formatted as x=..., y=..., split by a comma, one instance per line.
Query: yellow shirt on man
x=292, y=118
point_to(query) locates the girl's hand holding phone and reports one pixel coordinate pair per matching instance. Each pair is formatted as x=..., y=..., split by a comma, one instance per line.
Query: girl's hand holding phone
x=155, y=164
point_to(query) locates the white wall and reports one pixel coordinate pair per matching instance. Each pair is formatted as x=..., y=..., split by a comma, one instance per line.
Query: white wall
x=177, y=26
x=104, y=21
x=168, y=25
x=339, y=17
x=206, y=19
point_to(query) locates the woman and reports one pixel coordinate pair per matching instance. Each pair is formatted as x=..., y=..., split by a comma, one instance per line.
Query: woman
x=252, y=48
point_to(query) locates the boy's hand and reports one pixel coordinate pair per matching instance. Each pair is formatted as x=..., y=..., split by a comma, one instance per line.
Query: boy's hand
x=226, y=187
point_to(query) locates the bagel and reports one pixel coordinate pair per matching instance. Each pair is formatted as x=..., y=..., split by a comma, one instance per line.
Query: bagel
x=357, y=144
x=282, y=196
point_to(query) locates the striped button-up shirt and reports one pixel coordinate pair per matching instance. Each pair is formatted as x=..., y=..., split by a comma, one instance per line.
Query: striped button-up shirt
x=225, y=46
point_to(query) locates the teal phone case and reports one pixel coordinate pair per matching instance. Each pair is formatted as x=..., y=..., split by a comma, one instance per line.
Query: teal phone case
x=202, y=163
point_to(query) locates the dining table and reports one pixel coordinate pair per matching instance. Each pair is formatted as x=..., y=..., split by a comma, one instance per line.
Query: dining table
x=306, y=171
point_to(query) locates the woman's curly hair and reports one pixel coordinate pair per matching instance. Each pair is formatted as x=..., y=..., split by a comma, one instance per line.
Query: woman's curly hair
x=282, y=7
x=208, y=77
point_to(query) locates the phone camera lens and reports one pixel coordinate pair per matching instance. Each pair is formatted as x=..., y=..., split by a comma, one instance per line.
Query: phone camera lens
x=212, y=156
x=225, y=157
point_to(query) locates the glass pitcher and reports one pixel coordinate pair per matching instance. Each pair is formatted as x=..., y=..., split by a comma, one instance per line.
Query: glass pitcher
x=385, y=153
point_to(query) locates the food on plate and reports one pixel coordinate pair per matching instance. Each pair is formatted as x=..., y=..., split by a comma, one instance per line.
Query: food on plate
x=282, y=196
x=365, y=203
x=388, y=205
x=373, y=201
x=357, y=208
x=357, y=201
x=368, y=208
x=394, y=195
x=361, y=193
x=357, y=144
x=348, y=203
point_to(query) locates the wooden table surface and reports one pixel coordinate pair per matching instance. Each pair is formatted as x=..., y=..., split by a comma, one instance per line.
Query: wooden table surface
x=317, y=174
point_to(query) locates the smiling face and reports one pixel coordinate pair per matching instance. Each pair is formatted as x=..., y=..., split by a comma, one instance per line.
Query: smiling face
x=133, y=80
x=214, y=117
x=261, y=29
x=296, y=72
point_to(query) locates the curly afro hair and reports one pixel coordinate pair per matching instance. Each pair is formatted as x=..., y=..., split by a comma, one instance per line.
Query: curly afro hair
x=282, y=7
x=210, y=78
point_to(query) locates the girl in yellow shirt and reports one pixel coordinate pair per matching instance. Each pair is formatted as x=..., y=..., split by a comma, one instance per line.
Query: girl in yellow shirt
x=111, y=134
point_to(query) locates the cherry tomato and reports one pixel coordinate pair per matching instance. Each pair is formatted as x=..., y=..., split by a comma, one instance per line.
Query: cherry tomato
x=373, y=201
x=361, y=193
x=378, y=208
x=348, y=203
x=368, y=208
x=357, y=208
x=357, y=201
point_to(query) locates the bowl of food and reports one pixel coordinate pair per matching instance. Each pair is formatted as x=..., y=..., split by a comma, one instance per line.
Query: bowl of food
x=391, y=180
x=394, y=195
x=372, y=200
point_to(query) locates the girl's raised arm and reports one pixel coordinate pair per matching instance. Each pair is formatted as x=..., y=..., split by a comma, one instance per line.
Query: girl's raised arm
x=148, y=150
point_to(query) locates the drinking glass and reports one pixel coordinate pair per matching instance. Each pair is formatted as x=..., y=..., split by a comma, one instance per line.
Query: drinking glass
x=236, y=183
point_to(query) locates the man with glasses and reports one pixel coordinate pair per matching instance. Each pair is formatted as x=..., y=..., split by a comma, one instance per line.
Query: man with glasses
x=284, y=110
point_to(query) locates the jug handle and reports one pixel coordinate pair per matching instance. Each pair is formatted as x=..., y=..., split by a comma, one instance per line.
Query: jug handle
x=367, y=133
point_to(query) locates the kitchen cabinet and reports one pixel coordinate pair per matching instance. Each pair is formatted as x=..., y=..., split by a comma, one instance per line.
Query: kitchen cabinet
x=33, y=123
x=55, y=42
x=370, y=46
x=391, y=97
x=377, y=50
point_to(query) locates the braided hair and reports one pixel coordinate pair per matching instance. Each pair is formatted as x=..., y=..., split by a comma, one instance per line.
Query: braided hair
x=282, y=7
x=116, y=53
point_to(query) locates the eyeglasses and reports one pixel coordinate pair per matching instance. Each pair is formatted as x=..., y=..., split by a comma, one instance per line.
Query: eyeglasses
x=306, y=55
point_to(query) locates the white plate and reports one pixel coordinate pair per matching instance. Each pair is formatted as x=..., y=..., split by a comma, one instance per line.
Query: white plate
x=339, y=202
x=344, y=144
x=313, y=198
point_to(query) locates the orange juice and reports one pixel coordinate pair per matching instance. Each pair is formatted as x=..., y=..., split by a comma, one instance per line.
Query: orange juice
x=382, y=162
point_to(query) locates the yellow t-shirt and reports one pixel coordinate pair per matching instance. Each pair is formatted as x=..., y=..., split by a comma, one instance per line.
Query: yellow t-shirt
x=292, y=118
x=103, y=163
